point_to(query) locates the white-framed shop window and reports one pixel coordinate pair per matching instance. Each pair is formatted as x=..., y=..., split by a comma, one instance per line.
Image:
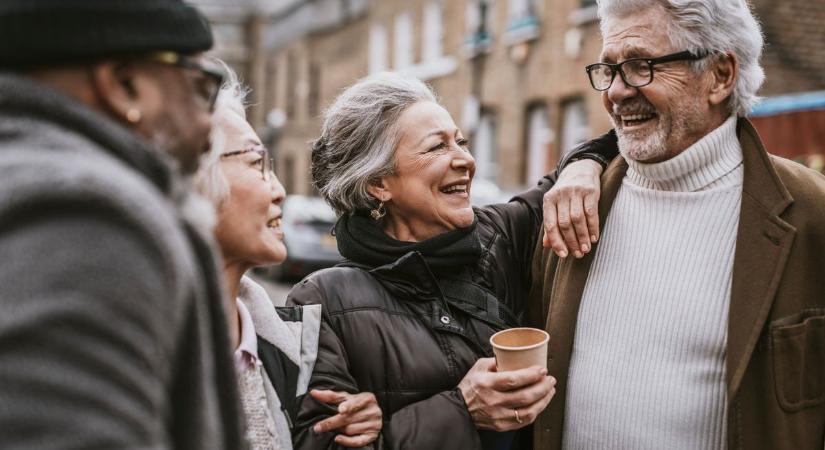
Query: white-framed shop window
x=539, y=140
x=433, y=32
x=485, y=148
x=519, y=9
x=575, y=128
x=479, y=13
x=378, y=48
x=403, y=40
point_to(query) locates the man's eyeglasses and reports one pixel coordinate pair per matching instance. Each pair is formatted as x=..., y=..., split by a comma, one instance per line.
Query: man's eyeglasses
x=635, y=72
x=267, y=164
x=208, y=86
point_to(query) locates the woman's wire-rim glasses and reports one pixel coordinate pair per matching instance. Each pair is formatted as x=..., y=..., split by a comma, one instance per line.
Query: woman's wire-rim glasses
x=267, y=164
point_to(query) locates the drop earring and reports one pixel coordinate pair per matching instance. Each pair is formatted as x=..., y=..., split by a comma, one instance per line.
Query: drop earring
x=133, y=115
x=378, y=212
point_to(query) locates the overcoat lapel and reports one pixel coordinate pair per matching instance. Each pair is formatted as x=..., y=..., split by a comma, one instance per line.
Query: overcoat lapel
x=763, y=243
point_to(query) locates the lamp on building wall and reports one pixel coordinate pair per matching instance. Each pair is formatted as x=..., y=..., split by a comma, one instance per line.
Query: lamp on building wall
x=519, y=52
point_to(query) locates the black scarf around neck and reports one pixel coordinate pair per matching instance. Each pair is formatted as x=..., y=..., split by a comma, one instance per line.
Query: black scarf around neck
x=361, y=240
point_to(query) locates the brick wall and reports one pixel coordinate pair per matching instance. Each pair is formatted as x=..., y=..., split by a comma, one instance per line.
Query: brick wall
x=506, y=80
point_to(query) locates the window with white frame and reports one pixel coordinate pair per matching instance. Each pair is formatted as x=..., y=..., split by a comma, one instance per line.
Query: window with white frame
x=519, y=9
x=575, y=129
x=291, y=85
x=478, y=17
x=539, y=141
x=586, y=13
x=473, y=17
x=378, y=48
x=314, y=95
x=484, y=148
x=433, y=33
x=523, y=22
x=403, y=48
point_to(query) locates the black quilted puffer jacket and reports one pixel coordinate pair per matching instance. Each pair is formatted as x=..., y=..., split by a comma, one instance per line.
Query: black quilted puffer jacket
x=409, y=335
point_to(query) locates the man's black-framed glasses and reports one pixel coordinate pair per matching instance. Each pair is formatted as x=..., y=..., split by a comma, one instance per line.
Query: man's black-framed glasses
x=210, y=83
x=267, y=164
x=635, y=72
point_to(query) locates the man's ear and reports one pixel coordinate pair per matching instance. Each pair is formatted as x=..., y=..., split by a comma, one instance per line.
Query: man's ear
x=118, y=87
x=724, y=71
x=379, y=189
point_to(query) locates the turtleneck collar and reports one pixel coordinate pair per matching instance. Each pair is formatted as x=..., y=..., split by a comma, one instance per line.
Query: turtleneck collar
x=701, y=166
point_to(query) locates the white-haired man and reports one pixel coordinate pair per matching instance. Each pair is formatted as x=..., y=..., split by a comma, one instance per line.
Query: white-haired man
x=699, y=319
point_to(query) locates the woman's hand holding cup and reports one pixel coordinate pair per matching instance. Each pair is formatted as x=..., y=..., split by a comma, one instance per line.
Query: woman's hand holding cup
x=503, y=401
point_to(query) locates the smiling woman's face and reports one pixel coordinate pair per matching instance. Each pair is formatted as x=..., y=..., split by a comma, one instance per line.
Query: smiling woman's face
x=429, y=192
x=248, y=229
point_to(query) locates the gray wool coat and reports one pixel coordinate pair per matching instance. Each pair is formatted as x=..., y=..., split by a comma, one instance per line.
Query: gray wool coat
x=112, y=332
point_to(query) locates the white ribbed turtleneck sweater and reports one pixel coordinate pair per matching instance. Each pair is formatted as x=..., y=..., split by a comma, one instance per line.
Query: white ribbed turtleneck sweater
x=648, y=363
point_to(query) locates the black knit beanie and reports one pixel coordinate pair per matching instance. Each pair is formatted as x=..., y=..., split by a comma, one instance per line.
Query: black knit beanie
x=45, y=32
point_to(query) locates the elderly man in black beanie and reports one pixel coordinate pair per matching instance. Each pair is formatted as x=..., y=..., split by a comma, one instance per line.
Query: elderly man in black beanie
x=111, y=328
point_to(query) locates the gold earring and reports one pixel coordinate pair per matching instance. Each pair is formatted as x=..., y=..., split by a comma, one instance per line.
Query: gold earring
x=379, y=212
x=133, y=115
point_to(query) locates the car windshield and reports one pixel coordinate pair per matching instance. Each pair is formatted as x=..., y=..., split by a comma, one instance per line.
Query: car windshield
x=308, y=210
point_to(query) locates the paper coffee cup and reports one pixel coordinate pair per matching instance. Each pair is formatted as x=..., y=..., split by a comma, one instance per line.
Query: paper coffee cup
x=517, y=348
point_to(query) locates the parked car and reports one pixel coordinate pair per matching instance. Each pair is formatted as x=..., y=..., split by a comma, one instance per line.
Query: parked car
x=485, y=192
x=307, y=225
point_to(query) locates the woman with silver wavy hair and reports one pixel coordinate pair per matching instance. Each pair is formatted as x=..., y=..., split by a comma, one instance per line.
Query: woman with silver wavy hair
x=427, y=280
x=275, y=348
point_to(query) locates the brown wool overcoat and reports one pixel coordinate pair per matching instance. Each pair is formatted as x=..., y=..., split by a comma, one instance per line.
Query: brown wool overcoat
x=775, y=359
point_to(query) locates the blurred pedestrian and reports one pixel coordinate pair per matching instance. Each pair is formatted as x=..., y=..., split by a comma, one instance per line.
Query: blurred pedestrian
x=428, y=279
x=112, y=332
x=275, y=348
x=699, y=319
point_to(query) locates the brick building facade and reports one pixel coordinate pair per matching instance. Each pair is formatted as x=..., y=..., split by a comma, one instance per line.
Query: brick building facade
x=511, y=72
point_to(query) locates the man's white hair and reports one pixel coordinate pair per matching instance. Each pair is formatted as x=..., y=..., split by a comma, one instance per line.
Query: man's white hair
x=718, y=26
x=210, y=181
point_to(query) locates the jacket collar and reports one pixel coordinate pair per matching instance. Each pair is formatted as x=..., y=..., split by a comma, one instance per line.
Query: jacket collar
x=762, y=246
x=268, y=325
x=410, y=279
x=24, y=99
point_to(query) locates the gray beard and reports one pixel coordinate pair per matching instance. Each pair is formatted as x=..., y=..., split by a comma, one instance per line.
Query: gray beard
x=639, y=148
x=195, y=208
x=656, y=145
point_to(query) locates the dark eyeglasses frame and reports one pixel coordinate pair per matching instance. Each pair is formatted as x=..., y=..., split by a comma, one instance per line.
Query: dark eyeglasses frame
x=686, y=55
x=214, y=75
x=268, y=166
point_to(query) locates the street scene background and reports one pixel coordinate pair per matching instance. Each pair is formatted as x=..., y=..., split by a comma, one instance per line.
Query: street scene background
x=511, y=72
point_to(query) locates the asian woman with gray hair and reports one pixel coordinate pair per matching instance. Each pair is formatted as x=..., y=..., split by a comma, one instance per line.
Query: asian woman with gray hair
x=427, y=278
x=275, y=348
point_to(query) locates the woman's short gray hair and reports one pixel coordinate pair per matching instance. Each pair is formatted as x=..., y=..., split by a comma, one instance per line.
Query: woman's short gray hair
x=210, y=181
x=359, y=137
x=719, y=26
